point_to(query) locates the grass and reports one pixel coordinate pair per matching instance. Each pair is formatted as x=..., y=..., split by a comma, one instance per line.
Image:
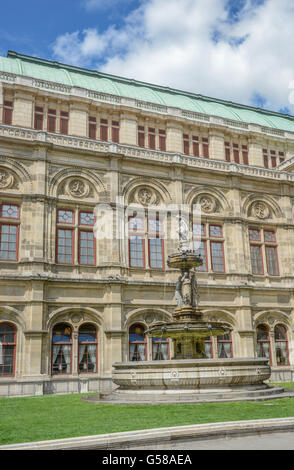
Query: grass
x=59, y=416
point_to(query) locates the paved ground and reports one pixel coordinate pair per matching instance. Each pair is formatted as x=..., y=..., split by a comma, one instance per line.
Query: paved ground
x=275, y=441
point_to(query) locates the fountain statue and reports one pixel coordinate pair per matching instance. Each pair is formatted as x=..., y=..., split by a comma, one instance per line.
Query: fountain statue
x=189, y=375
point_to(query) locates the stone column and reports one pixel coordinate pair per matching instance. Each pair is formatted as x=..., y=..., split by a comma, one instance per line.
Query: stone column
x=23, y=110
x=1, y=102
x=128, y=129
x=78, y=120
x=216, y=145
x=174, y=138
x=255, y=156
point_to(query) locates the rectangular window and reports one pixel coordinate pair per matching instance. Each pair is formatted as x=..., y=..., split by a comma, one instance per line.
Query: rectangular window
x=65, y=246
x=265, y=158
x=155, y=252
x=7, y=112
x=115, y=131
x=281, y=157
x=205, y=147
x=162, y=140
x=236, y=153
x=273, y=159
x=65, y=216
x=217, y=256
x=215, y=231
x=64, y=116
x=39, y=117
x=202, y=252
x=151, y=138
x=272, y=260
x=136, y=250
x=51, y=120
x=92, y=127
x=186, y=144
x=104, y=130
x=228, y=151
x=8, y=242
x=245, y=154
x=86, y=247
x=195, y=143
x=256, y=259
x=141, y=136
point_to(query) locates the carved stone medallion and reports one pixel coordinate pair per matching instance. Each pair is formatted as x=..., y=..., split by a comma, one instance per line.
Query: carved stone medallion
x=6, y=179
x=77, y=188
x=260, y=210
x=208, y=204
x=145, y=196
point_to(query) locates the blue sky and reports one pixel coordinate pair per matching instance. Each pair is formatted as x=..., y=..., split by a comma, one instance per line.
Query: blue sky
x=240, y=50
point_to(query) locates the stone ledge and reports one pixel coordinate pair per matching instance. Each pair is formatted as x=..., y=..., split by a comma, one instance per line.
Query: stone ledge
x=147, y=437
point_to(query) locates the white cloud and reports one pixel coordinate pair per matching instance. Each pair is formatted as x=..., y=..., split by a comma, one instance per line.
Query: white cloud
x=171, y=43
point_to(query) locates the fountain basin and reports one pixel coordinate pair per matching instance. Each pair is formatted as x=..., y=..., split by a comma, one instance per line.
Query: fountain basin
x=190, y=375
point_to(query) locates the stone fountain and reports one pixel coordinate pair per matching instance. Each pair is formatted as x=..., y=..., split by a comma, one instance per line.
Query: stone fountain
x=189, y=376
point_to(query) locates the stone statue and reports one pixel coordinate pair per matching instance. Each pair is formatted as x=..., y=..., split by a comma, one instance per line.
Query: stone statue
x=186, y=290
x=194, y=290
x=184, y=235
x=178, y=292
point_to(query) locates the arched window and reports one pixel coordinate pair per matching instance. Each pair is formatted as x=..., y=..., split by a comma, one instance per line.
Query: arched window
x=137, y=342
x=160, y=349
x=281, y=344
x=224, y=346
x=208, y=347
x=7, y=349
x=87, y=348
x=263, y=342
x=61, y=349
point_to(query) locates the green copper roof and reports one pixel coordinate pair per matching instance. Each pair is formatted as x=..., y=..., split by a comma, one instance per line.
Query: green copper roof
x=74, y=76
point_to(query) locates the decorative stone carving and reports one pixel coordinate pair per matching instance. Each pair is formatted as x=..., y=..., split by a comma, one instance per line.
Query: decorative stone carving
x=146, y=196
x=208, y=204
x=6, y=179
x=77, y=188
x=260, y=210
x=77, y=317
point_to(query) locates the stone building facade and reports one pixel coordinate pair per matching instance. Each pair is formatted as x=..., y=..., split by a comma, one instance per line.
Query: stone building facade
x=72, y=304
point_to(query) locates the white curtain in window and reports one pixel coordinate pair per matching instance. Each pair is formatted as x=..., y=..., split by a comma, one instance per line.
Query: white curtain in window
x=224, y=350
x=56, y=349
x=66, y=349
x=207, y=350
x=137, y=352
x=160, y=351
x=281, y=352
x=263, y=350
x=82, y=348
x=92, y=354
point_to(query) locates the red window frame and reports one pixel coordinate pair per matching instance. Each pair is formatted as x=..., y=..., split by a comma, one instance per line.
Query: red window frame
x=115, y=131
x=39, y=118
x=7, y=112
x=160, y=341
x=83, y=230
x=151, y=138
x=205, y=147
x=281, y=157
x=67, y=343
x=4, y=223
x=225, y=341
x=195, y=145
x=274, y=248
x=208, y=340
x=138, y=325
x=186, y=144
x=279, y=340
x=51, y=120
x=228, y=151
x=256, y=272
x=155, y=234
x=92, y=127
x=216, y=240
x=104, y=130
x=64, y=118
x=204, y=267
x=8, y=344
x=141, y=136
x=265, y=158
x=245, y=155
x=236, y=153
x=138, y=234
x=88, y=343
x=262, y=341
x=67, y=229
x=162, y=140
